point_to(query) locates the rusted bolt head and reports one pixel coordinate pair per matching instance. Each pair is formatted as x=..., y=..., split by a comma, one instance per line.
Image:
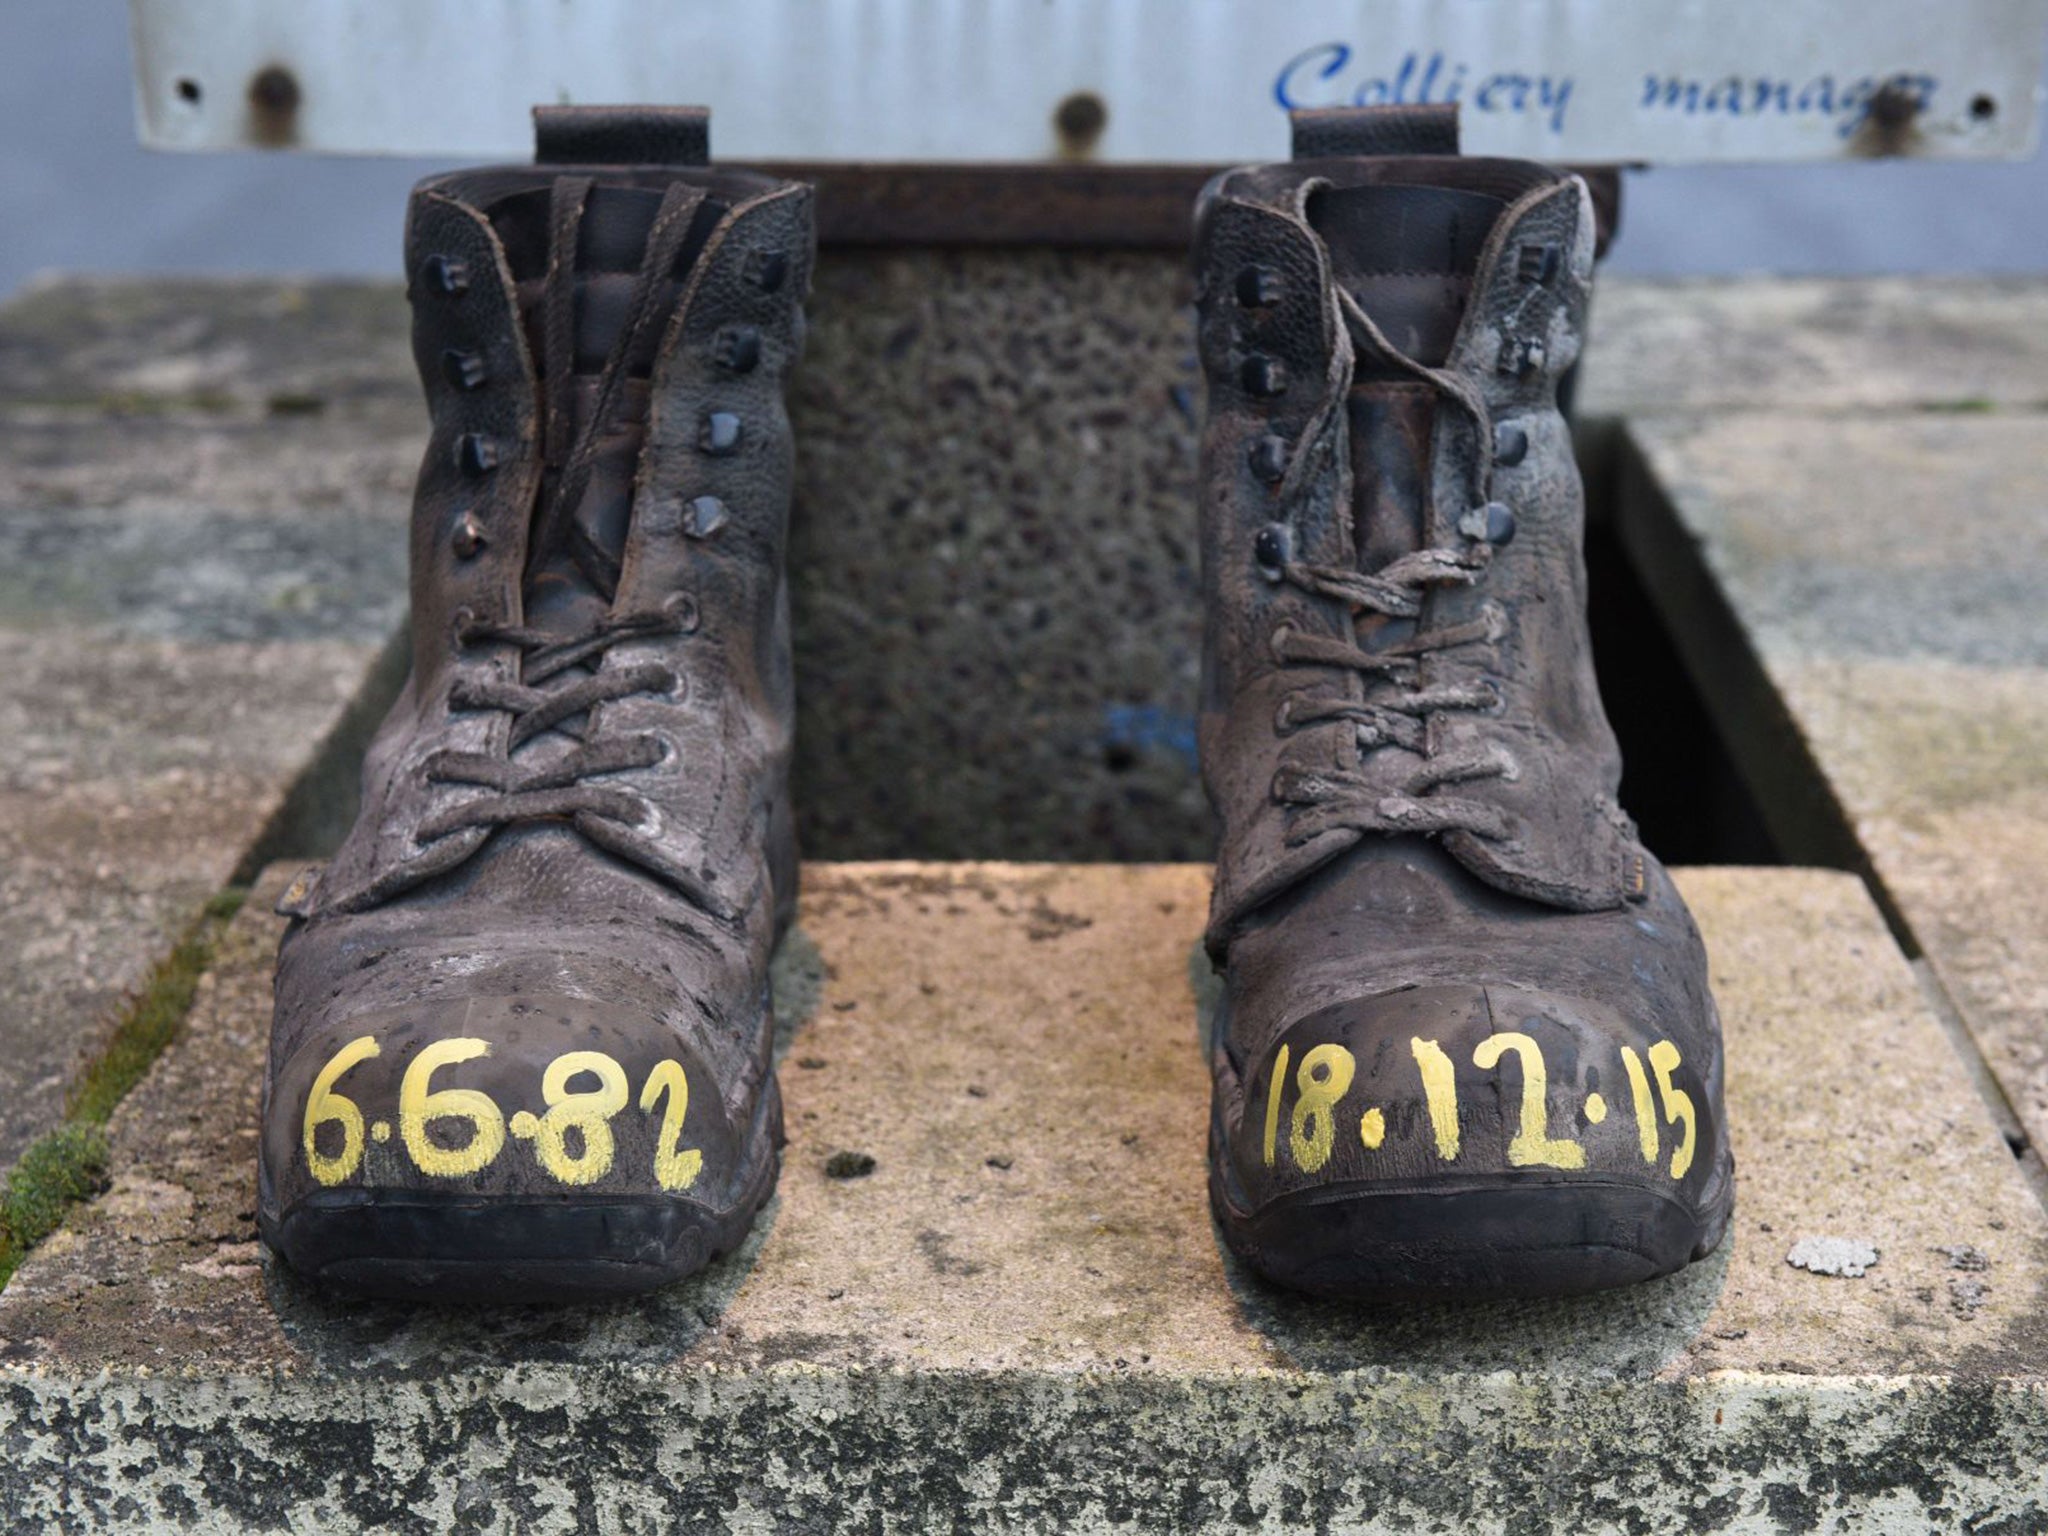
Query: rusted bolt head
x=1894, y=105
x=274, y=105
x=275, y=89
x=1080, y=120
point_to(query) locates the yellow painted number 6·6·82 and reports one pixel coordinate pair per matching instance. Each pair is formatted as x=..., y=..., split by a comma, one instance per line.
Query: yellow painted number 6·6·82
x=573, y=1140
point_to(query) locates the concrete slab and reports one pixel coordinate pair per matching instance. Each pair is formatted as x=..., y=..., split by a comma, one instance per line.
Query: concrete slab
x=1020, y=1318
x=194, y=603
x=1817, y=345
x=217, y=345
x=993, y=562
x=1861, y=603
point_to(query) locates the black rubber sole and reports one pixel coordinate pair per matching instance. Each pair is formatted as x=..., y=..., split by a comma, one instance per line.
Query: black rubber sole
x=1471, y=1244
x=426, y=1246
x=1468, y=1240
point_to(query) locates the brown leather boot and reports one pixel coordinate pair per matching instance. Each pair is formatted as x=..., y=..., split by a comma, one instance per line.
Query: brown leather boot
x=521, y=1047
x=1466, y=1046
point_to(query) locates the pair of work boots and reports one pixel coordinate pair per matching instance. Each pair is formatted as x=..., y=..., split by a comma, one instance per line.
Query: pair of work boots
x=522, y=1038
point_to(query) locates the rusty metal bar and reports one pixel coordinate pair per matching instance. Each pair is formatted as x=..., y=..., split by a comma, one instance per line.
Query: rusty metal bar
x=1128, y=206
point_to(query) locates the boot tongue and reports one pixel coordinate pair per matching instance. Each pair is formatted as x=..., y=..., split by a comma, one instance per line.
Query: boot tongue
x=570, y=584
x=1407, y=255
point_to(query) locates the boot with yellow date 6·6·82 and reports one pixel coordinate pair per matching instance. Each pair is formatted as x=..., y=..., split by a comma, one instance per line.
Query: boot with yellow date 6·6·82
x=521, y=1046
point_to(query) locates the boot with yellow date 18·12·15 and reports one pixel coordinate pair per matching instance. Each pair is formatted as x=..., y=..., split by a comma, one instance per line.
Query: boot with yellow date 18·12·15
x=521, y=1045
x=1466, y=1046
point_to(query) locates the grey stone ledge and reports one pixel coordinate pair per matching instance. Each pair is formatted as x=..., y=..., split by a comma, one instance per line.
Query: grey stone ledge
x=1860, y=604
x=193, y=615
x=1059, y=1343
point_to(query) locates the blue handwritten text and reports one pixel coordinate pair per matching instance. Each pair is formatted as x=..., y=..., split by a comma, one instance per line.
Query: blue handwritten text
x=1848, y=101
x=1322, y=76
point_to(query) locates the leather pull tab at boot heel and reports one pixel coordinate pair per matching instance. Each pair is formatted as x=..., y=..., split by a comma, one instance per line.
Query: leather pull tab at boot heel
x=622, y=135
x=1329, y=133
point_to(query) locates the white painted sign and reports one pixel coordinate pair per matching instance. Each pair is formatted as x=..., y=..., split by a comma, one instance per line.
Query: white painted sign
x=1197, y=81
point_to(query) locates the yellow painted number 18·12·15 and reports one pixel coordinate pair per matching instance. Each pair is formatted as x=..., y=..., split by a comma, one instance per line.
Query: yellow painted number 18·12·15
x=588, y=1111
x=1325, y=1075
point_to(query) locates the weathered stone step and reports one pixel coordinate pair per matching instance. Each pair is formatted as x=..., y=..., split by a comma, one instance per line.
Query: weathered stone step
x=193, y=611
x=1020, y=1319
x=1817, y=346
x=1860, y=603
x=988, y=319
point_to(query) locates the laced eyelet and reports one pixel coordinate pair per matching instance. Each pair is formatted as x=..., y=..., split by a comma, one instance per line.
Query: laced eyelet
x=1492, y=524
x=719, y=434
x=681, y=610
x=465, y=370
x=447, y=275
x=1268, y=459
x=1521, y=357
x=468, y=540
x=475, y=454
x=1538, y=263
x=737, y=348
x=1283, y=715
x=1277, y=642
x=1257, y=287
x=704, y=516
x=1272, y=549
x=1262, y=377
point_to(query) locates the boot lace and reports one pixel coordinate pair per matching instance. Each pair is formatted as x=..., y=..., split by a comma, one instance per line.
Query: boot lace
x=559, y=679
x=544, y=700
x=1397, y=713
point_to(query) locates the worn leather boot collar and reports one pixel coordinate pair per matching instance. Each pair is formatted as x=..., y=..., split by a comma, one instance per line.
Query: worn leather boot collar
x=701, y=562
x=1489, y=736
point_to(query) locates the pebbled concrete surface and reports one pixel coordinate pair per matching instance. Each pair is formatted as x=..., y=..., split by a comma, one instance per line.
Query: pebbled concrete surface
x=993, y=567
x=1021, y=1320
x=193, y=597
x=1826, y=346
x=226, y=345
x=1881, y=581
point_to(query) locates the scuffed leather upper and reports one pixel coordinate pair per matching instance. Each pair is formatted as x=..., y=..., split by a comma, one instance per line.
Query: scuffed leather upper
x=648, y=934
x=1377, y=905
x=1563, y=840
x=731, y=721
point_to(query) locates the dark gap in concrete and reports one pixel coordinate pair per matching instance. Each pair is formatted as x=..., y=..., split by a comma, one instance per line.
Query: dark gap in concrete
x=1712, y=667
x=1679, y=780
x=1802, y=812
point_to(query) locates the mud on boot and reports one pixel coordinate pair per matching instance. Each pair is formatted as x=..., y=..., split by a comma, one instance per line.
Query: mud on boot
x=521, y=1046
x=1466, y=1046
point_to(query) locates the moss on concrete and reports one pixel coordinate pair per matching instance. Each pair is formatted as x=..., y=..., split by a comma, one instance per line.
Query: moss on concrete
x=153, y=1018
x=58, y=1170
x=68, y=1164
